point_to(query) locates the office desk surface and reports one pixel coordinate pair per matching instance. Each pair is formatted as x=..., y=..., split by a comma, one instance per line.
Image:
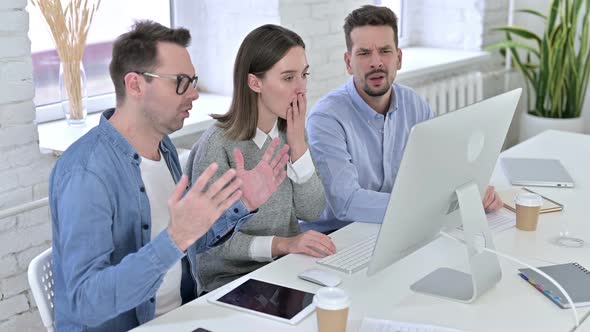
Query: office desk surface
x=574, y=152
x=512, y=305
x=584, y=327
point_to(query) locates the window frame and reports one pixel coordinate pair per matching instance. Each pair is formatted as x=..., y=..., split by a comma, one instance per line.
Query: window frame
x=54, y=112
x=403, y=38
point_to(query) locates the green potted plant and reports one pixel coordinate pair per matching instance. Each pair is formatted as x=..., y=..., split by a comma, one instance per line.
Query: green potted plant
x=555, y=66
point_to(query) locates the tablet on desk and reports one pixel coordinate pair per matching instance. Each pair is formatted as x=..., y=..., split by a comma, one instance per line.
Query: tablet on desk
x=268, y=300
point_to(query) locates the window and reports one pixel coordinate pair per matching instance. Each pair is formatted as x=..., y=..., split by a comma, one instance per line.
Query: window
x=112, y=19
x=398, y=7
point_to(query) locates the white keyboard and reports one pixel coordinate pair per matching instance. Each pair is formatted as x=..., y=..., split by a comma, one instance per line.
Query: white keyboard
x=352, y=258
x=381, y=325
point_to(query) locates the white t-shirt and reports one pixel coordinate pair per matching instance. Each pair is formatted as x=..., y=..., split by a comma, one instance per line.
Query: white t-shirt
x=159, y=186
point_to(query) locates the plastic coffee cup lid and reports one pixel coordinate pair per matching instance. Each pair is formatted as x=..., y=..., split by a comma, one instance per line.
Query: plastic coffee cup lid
x=331, y=298
x=528, y=199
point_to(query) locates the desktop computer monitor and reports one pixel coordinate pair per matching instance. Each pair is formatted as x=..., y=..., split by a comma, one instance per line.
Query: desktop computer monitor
x=444, y=173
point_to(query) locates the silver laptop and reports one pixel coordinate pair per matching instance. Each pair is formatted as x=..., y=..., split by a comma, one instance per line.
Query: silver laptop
x=536, y=172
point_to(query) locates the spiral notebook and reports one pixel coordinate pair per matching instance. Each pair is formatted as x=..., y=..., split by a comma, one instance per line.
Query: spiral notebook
x=508, y=197
x=573, y=277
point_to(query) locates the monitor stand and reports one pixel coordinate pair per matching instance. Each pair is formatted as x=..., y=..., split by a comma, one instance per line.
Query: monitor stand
x=485, y=268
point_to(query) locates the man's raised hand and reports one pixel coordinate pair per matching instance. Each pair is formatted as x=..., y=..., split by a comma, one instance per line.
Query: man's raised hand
x=193, y=214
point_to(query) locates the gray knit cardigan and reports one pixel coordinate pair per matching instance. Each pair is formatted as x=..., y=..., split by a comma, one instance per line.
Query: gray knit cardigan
x=278, y=216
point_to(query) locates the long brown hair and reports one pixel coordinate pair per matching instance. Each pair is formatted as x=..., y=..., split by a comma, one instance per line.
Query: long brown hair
x=262, y=48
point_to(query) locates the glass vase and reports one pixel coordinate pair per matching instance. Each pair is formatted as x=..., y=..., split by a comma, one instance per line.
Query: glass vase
x=73, y=92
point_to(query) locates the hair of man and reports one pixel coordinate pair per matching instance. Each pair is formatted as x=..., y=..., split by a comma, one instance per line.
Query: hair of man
x=369, y=15
x=137, y=51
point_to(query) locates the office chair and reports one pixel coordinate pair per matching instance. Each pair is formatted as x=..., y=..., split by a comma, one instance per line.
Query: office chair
x=41, y=282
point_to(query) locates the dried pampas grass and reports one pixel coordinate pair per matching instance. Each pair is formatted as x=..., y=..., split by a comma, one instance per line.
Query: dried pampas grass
x=69, y=28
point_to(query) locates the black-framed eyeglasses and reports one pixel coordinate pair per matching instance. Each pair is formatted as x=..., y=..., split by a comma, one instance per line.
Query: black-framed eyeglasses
x=182, y=81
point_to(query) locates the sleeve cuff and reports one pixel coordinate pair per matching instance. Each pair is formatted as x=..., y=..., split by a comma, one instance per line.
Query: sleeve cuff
x=164, y=252
x=261, y=248
x=229, y=223
x=301, y=170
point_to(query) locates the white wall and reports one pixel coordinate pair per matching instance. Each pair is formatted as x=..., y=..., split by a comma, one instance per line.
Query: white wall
x=529, y=21
x=23, y=172
x=217, y=29
x=320, y=24
x=459, y=23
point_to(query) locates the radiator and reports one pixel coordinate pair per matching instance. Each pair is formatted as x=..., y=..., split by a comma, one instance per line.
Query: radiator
x=452, y=93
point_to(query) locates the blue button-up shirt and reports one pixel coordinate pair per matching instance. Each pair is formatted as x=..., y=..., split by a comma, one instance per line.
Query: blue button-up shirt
x=358, y=152
x=106, y=269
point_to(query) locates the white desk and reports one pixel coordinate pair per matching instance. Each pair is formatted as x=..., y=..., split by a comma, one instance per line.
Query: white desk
x=584, y=327
x=574, y=152
x=511, y=306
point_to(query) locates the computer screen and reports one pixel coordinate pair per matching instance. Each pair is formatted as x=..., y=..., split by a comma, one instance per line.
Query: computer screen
x=444, y=173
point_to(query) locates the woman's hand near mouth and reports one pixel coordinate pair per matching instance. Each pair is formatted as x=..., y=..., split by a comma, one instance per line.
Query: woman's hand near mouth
x=296, y=126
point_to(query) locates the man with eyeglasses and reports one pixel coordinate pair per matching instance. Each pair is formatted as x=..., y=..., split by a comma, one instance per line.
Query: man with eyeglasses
x=126, y=226
x=182, y=81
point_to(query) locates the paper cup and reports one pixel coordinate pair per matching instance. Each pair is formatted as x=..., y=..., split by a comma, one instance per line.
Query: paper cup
x=528, y=206
x=332, y=305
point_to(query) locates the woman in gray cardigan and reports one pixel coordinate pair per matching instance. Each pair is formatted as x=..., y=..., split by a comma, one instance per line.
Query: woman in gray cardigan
x=269, y=102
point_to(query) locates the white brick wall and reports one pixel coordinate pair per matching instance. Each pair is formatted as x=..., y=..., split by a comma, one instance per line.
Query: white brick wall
x=13, y=305
x=496, y=14
x=23, y=172
x=323, y=35
x=455, y=24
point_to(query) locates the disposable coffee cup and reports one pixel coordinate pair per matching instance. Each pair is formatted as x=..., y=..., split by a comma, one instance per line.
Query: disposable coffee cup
x=528, y=206
x=332, y=305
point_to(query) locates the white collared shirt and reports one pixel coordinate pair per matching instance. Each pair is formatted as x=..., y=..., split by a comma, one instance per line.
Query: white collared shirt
x=299, y=172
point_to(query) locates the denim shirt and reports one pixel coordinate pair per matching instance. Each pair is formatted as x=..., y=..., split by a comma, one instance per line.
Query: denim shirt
x=106, y=269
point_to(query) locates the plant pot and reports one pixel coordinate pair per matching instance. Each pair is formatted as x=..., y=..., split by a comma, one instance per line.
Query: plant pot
x=531, y=125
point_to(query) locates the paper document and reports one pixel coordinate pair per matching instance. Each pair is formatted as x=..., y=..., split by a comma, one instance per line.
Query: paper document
x=498, y=222
x=382, y=325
